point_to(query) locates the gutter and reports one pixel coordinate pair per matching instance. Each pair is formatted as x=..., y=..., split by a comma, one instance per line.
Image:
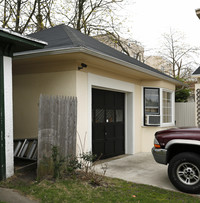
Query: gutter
x=54, y=51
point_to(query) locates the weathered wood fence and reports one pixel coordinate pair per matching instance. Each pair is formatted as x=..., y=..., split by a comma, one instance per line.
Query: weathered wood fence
x=57, y=127
x=185, y=114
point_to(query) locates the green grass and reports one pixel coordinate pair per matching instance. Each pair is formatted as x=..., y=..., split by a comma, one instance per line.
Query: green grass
x=112, y=190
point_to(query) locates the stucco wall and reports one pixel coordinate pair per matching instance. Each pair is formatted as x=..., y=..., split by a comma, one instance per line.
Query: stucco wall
x=147, y=137
x=160, y=84
x=138, y=119
x=142, y=136
x=27, y=89
x=82, y=111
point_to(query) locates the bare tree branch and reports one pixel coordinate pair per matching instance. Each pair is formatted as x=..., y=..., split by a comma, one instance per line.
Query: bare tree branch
x=179, y=54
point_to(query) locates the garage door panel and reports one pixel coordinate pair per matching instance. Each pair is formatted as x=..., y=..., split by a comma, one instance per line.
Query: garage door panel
x=99, y=115
x=98, y=99
x=109, y=99
x=119, y=146
x=109, y=131
x=119, y=101
x=98, y=132
x=110, y=148
x=119, y=116
x=119, y=131
x=98, y=148
x=110, y=116
x=107, y=123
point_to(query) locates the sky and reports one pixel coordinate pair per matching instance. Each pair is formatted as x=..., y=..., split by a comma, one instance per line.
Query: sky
x=149, y=19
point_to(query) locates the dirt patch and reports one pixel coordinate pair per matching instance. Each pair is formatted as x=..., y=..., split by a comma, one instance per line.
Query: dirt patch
x=26, y=170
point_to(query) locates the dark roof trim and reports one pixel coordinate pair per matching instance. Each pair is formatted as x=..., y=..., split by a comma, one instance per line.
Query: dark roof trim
x=54, y=51
x=17, y=42
x=196, y=72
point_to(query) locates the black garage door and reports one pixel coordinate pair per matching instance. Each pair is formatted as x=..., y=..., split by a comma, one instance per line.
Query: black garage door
x=107, y=123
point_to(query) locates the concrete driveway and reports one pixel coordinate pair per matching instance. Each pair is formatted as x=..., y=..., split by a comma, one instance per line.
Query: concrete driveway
x=139, y=168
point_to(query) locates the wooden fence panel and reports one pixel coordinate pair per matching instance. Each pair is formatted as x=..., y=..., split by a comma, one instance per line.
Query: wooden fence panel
x=57, y=127
x=185, y=114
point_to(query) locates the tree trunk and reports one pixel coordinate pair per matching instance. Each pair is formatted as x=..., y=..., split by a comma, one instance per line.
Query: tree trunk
x=80, y=11
x=40, y=25
x=18, y=15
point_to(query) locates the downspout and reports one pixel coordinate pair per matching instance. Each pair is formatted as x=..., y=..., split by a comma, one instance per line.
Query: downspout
x=2, y=121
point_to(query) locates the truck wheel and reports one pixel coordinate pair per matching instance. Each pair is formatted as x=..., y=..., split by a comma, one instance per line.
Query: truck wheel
x=184, y=172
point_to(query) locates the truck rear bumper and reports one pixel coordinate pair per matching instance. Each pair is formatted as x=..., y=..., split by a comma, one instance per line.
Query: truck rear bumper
x=160, y=155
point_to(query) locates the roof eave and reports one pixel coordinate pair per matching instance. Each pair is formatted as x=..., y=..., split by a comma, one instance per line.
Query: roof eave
x=196, y=76
x=14, y=37
x=55, y=51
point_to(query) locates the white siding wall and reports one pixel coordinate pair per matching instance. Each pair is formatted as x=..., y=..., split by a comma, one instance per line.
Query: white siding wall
x=185, y=114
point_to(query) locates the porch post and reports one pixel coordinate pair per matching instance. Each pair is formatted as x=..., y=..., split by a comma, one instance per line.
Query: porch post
x=11, y=42
x=197, y=102
x=2, y=121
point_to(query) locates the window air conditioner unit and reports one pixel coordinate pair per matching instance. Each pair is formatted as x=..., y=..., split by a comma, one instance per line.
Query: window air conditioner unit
x=152, y=120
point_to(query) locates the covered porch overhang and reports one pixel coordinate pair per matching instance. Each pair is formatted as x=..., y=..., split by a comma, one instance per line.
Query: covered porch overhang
x=10, y=42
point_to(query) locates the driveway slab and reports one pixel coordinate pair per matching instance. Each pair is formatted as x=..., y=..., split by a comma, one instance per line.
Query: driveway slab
x=138, y=168
x=11, y=196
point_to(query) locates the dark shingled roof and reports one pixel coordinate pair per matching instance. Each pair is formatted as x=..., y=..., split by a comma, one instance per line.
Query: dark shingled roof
x=63, y=36
x=197, y=71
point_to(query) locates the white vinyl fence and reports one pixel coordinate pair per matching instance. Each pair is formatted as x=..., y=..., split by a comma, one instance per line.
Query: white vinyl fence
x=185, y=114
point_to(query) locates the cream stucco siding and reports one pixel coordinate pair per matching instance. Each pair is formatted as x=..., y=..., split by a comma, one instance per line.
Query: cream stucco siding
x=147, y=137
x=160, y=84
x=27, y=89
x=82, y=111
x=69, y=81
x=138, y=121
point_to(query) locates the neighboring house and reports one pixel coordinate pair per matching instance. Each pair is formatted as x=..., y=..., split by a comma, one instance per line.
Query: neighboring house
x=159, y=63
x=10, y=42
x=163, y=65
x=133, y=48
x=196, y=75
x=121, y=101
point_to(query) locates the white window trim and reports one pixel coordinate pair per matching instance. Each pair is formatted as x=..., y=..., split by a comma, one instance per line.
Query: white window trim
x=161, y=108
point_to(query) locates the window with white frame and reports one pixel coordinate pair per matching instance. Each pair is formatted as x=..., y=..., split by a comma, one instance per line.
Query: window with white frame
x=152, y=101
x=166, y=107
x=158, y=107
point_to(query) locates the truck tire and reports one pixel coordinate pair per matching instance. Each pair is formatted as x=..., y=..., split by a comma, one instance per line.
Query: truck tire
x=184, y=172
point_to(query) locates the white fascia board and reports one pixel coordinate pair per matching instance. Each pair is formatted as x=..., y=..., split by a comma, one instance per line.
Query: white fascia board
x=196, y=76
x=55, y=51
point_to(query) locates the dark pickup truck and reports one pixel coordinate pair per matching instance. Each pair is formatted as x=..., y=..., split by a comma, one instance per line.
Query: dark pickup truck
x=180, y=148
